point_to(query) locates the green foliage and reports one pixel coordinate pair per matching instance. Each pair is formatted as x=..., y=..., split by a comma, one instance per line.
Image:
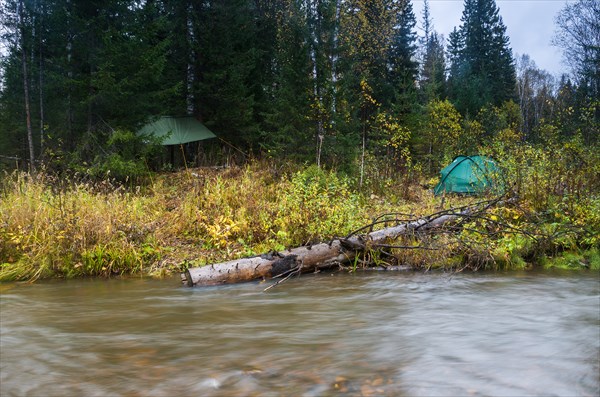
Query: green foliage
x=495, y=119
x=509, y=252
x=588, y=259
x=403, y=67
x=224, y=56
x=52, y=228
x=115, y=165
x=124, y=157
x=444, y=132
x=317, y=205
x=559, y=188
x=295, y=80
x=288, y=121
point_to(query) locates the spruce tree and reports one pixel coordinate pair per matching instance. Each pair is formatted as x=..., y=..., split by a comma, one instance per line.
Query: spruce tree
x=225, y=63
x=286, y=127
x=482, y=69
x=403, y=66
x=432, y=79
x=433, y=75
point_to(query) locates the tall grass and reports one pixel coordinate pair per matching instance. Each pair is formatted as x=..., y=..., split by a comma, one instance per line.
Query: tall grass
x=68, y=229
x=47, y=229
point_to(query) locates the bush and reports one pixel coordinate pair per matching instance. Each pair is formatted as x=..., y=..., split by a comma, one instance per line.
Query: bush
x=316, y=205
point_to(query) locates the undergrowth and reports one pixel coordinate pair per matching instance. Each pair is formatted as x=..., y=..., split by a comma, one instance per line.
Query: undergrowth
x=50, y=227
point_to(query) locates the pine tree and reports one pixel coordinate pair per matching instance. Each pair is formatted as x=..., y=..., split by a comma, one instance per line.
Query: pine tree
x=432, y=79
x=377, y=66
x=366, y=29
x=403, y=66
x=433, y=76
x=13, y=134
x=482, y=69
x=132, y=68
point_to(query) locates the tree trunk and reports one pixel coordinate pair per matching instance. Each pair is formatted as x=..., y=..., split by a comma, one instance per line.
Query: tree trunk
x=26, y=89
x=314, y=25
x=191, y=60
x=69, y=48
x=305, y=259
x=362, y=153
x=41, y=88
x=334, y=56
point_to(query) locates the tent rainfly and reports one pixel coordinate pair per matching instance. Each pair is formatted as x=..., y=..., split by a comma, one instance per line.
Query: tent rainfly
x=177, y=130
x=468, y=175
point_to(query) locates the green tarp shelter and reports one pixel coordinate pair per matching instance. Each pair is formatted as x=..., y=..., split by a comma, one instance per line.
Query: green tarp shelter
x=177, y=130
x=469, y=175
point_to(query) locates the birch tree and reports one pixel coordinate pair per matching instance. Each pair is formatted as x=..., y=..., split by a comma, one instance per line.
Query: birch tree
x=578, y=35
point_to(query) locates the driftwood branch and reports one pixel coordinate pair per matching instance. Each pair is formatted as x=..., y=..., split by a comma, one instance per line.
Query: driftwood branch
x=324, y=255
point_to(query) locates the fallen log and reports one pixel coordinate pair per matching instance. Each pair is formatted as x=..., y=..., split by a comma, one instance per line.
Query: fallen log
x=320, y=256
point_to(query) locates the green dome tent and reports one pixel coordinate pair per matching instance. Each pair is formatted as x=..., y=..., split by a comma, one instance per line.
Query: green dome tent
x=469, y=175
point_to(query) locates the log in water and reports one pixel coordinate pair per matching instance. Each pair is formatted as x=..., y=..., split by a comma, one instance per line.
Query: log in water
x=307, y=259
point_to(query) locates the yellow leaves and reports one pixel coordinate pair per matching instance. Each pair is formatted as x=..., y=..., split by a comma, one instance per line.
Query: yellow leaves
x=509, y=216
x=221, y=231
x=365, y=30
x=61, y=235
x=509, y=136
x=15, y=238
x=444, y=120
x=367, y=92
x=394, y=135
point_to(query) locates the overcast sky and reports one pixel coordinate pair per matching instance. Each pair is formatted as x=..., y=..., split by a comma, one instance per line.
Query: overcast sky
x=529, y=24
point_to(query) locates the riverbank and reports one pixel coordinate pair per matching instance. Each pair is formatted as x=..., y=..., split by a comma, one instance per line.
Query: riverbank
x=52, y=228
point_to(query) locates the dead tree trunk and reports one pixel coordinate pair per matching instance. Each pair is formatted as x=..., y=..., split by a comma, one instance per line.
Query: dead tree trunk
x=309, y=259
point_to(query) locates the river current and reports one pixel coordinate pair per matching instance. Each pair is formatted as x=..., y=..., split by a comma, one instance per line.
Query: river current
x=370, y=334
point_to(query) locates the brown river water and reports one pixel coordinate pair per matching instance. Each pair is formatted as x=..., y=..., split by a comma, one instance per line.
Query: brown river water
x=371, y=334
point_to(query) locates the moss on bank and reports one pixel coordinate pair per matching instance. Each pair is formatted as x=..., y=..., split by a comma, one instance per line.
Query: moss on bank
x=581, y=259
x=52, y=228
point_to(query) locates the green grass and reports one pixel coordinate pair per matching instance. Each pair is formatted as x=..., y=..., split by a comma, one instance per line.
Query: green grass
x=584, y=259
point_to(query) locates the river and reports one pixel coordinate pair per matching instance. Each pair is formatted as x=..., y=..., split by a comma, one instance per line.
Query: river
x=372, y=334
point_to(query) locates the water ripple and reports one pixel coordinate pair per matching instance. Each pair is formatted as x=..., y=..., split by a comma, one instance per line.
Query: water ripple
x=379, y=334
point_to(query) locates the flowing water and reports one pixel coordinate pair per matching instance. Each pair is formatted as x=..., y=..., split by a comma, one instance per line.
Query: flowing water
x=373, y=334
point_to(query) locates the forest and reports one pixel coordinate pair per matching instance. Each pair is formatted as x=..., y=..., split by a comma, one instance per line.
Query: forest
x=364, y=94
